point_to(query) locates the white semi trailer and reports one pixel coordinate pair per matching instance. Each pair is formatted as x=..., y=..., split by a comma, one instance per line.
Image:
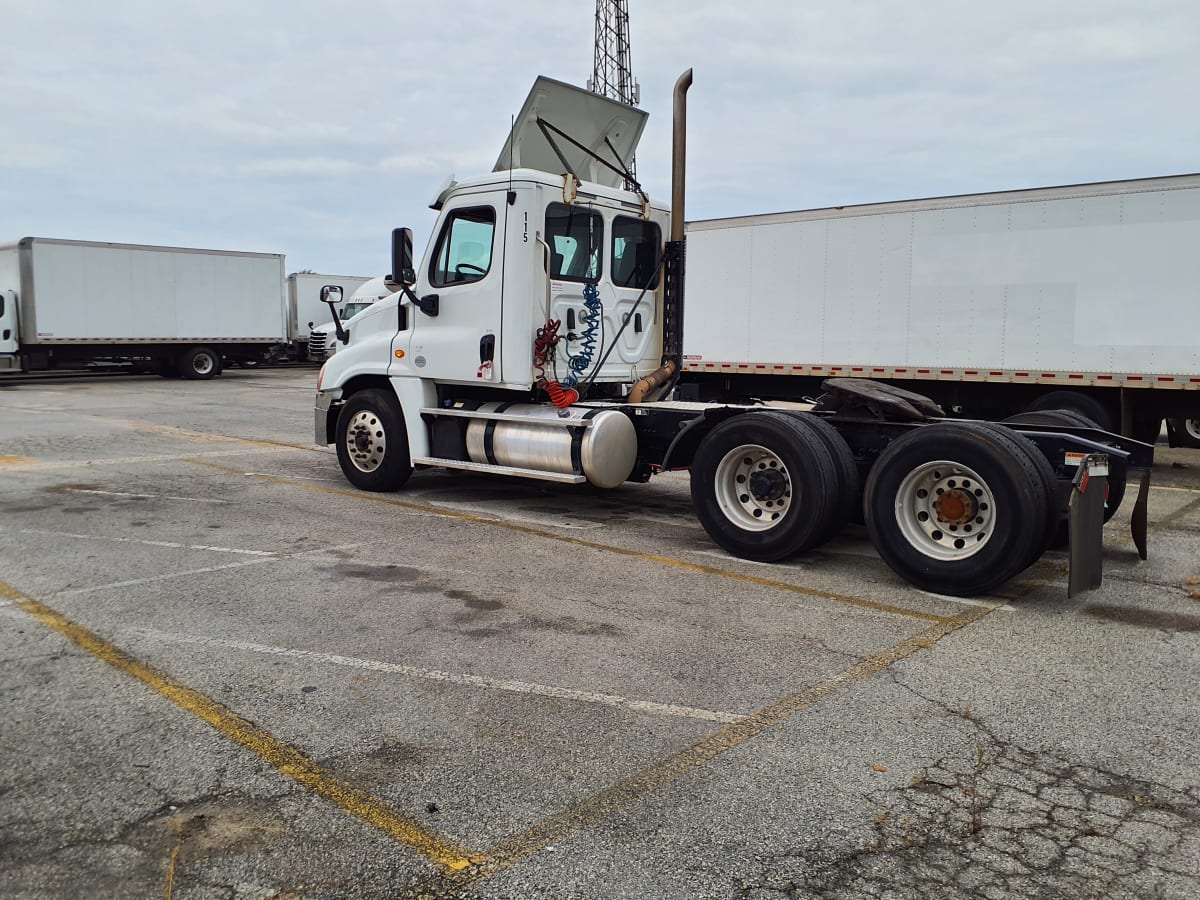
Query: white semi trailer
x=544, y=328
x=178, y=310
x=1085, y=297
x=307, y=315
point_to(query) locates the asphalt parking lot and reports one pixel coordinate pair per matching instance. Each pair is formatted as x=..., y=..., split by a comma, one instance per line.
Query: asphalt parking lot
x=227, y=674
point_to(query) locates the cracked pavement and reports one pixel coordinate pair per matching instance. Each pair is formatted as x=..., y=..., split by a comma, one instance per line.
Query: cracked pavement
x=480, y=680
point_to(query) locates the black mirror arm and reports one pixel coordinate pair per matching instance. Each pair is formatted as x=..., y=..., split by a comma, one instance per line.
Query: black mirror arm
x=342, y=334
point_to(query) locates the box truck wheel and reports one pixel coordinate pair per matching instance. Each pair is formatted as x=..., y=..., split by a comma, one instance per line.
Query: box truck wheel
x=199, y=362
x=1186, y=432
x=764, y=486
x=956, y=508
x=372, y=442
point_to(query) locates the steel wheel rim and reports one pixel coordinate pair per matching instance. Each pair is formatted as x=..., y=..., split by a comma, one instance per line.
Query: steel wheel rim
x=1192, y=427
x=945, y=510
x=366, y=441
x=753, y=487
x=202, y=364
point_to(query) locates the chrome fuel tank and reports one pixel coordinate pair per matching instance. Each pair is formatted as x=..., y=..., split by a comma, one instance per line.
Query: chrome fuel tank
x=600, y=444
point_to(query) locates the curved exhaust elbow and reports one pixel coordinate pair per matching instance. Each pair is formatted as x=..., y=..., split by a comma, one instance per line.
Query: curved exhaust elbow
x=679, y=153
x=655, y=379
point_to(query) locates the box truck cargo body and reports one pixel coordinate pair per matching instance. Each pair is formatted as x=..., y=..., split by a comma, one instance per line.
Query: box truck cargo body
x=177, y=309
x=1085, y=297
x=306, y=311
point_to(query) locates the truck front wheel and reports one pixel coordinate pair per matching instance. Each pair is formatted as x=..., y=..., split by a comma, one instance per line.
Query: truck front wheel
x=199, y=363
x=956, y=508
x=372, y=442
x=764, y=486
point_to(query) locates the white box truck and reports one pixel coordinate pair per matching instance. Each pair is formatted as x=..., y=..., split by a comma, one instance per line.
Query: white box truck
x=179, y=311
x=541, y=337
x=308, y=315
x=1084, y=297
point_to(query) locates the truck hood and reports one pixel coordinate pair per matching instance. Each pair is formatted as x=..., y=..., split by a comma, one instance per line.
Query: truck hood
x=587, y=117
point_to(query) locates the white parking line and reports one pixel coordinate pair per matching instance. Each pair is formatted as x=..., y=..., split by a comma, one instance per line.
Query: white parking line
x=172, y=544
x=517, y=687
x=142, y=496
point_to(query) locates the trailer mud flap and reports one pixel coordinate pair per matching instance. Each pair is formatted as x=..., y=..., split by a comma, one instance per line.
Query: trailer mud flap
x=1086, y=516
x=1137, y=522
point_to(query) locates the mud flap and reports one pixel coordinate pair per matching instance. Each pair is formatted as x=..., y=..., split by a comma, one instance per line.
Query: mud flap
x=1137, y=522
x=1086, y=516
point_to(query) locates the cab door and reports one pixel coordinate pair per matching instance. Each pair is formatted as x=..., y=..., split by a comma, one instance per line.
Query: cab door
x=8, y=322
x=461, y=343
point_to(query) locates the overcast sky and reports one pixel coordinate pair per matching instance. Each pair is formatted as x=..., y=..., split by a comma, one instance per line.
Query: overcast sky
x=312, y=128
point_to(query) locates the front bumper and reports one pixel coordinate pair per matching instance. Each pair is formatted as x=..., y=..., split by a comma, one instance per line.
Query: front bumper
x=322, y=432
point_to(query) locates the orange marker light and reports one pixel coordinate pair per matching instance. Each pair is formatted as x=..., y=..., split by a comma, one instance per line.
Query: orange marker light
x=399, y=354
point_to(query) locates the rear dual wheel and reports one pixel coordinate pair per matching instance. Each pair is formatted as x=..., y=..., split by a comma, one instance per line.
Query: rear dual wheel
x=765, y=485
x=957, y=508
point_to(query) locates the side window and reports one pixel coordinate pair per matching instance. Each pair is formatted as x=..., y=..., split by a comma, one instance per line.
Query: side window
x=464, y=248
x=575, y=235
x=635, y=250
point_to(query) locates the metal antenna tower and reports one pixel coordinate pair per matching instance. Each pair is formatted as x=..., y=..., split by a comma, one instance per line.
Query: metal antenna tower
x=612, y=75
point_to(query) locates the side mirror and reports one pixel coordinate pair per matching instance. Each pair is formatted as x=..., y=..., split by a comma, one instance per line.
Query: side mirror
x=331, y=294
x=402, y=257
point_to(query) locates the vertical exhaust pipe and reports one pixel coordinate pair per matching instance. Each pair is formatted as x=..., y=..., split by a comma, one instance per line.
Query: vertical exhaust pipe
x=679, y=154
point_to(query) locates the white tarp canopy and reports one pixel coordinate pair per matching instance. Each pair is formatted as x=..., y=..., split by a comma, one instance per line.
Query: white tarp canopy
x=587, y=117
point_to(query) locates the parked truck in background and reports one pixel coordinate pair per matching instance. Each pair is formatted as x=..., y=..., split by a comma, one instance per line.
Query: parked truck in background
x=177, y=310
x=542, y=337
x=308, y=316
x=322, y=339
x=1085, y=297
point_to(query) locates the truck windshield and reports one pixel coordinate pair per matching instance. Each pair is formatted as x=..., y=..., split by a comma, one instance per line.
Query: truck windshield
x=353, y=309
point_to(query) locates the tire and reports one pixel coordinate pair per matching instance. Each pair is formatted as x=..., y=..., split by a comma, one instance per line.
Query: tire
x=849, y=484
x=372, y=442
x=1056, y=521
x=764, y=486
x=1052, y=418
x=1187, y=431
x=199, y=363
x=983, y=537
x=1073, y=401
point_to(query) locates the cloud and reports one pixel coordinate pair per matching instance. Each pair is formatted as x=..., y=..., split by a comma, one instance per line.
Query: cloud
x=312, y=128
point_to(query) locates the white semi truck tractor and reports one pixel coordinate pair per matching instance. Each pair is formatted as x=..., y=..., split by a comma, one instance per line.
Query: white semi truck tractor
x=541, y=336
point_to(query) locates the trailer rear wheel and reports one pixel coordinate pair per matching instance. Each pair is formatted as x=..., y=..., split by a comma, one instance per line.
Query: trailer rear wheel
x=764, y=486
x=1052, y=418
x=1075, y=402
x=199, y=363
x=372, y=442
x=1187, y=432
x=956, y=508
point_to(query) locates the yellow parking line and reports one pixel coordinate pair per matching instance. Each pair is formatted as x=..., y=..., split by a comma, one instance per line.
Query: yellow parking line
x=289, y=761
x=671, y=561
x=632, y=788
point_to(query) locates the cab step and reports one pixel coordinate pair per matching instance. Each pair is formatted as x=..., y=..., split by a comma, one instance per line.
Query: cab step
x=437, y=462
